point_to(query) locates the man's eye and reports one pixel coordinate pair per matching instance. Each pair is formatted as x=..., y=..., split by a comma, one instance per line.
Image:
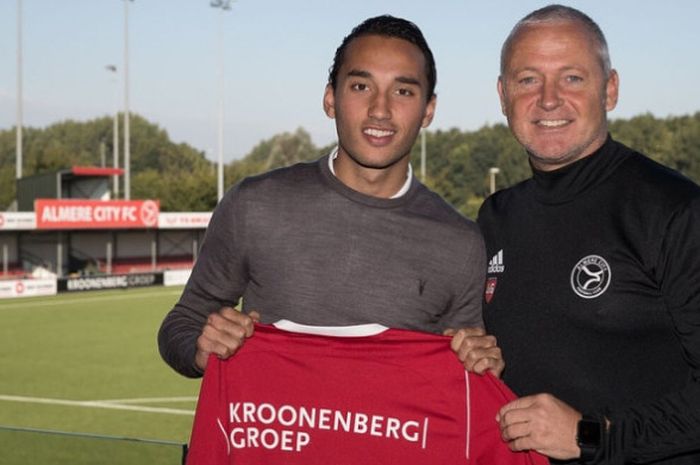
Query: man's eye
x=526, y=80
x=405, y=92
x=574, y=78
x=359, y=86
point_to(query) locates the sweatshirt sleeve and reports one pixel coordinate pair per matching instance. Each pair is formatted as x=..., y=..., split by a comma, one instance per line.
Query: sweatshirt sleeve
x=218, y=279
x=466, y=307
x=670, y=425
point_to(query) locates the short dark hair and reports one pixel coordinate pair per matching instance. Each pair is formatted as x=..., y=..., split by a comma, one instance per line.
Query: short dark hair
x=561, y=13
x=387, y=26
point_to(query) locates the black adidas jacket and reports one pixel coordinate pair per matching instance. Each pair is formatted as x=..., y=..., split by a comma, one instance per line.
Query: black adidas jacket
x=593, y=293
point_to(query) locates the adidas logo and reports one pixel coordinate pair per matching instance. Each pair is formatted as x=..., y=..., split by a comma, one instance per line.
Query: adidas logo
x=496, y=263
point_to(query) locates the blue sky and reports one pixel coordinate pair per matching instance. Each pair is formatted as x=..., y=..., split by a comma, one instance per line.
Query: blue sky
x=277, y=54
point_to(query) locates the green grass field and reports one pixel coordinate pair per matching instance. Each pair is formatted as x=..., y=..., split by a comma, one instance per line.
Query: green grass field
x=88, y=363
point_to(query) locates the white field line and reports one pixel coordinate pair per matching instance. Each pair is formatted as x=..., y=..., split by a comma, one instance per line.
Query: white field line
x=54, y=303
x=95, y=404
x=148, y=400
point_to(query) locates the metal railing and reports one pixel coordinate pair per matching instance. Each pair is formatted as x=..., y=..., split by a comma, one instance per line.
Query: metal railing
x=97, y=437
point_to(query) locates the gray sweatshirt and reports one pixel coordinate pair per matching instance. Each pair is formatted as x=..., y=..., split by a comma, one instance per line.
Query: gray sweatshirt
x=297, y=244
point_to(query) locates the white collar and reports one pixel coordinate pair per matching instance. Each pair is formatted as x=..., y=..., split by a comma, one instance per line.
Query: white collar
x=406, y=185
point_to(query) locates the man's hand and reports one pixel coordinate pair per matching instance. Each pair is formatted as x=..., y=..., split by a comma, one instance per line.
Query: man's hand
x=542, y=423
x=476, y=350
x=223, y=334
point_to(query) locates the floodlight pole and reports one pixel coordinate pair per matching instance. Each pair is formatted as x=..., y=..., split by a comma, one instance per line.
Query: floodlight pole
x=127, y=144
x=18, y=148
x=223, y=5
x=115, y=132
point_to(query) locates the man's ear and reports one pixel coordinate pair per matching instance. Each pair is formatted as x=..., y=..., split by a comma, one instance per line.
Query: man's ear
x=501, y=95
x=329, y=101
x=429, y=112
x=612, y=88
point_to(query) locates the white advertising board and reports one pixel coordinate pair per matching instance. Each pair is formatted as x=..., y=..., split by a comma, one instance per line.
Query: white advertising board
x=17, y=221
x=13, y=288
x=175, y=277
x=183, y=220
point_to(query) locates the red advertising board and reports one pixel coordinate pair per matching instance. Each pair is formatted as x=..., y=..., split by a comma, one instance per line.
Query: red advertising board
x=96, y=214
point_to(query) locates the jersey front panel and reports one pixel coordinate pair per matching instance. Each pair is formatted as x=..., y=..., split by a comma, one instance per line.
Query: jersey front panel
x=395, y=397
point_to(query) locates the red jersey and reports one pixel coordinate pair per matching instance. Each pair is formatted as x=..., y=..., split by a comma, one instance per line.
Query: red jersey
x=364, y=394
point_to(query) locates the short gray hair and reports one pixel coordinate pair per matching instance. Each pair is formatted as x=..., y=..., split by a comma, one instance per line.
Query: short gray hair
x=560, y=13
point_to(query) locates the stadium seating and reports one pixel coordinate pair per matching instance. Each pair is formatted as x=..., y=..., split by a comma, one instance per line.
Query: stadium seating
x=14, y=271
x=144, y=265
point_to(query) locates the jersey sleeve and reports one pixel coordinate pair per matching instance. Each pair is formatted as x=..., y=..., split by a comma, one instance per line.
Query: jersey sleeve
x=208, y=441
x=670, y=425
x=487, y=396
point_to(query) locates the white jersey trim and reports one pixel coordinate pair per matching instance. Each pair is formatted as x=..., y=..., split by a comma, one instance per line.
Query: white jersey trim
x=469, y=414
x=337, y=331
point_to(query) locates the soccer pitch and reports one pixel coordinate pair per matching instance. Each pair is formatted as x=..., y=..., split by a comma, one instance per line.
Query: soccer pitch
x=88, y=363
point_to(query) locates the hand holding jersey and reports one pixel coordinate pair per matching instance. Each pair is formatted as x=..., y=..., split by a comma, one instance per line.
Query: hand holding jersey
x=542, y=423
x=223, y=334
x=476, y=350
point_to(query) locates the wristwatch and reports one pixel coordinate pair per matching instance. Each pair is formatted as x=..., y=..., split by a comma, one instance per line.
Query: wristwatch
x=589, y=434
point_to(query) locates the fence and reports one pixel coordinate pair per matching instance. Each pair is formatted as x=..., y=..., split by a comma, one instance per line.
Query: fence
x=23, y=446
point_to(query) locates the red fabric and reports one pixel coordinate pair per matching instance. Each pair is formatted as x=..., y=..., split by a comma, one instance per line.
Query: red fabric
x=398, y=397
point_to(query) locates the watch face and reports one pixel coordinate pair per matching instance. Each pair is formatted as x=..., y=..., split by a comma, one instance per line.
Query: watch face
x=589, y=433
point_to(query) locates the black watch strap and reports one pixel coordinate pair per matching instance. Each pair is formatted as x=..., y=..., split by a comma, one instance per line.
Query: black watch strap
x=589, y=436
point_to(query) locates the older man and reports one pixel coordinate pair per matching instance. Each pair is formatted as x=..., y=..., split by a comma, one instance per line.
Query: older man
x=593, y=290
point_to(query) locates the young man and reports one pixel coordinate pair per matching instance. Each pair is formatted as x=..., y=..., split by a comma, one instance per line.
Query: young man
x=352, y=238
x=594, y=288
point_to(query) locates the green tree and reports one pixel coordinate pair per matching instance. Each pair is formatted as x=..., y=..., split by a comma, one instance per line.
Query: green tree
x=184, y=178
x=281, y=150
x=458, y=162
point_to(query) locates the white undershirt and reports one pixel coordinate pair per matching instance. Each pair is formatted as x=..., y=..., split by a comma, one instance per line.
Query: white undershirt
x=406, y=185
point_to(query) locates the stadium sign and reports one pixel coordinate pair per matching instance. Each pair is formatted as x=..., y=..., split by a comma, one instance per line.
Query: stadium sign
x=92, y=283
x=27, y=288
x=183, y=220
x=96, y=214
x=176, y=277
x=17, y=221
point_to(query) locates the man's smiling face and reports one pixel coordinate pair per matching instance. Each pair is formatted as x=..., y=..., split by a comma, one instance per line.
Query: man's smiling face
x=555, y=94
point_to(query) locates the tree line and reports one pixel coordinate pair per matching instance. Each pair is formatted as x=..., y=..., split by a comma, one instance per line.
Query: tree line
x=457, y=161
